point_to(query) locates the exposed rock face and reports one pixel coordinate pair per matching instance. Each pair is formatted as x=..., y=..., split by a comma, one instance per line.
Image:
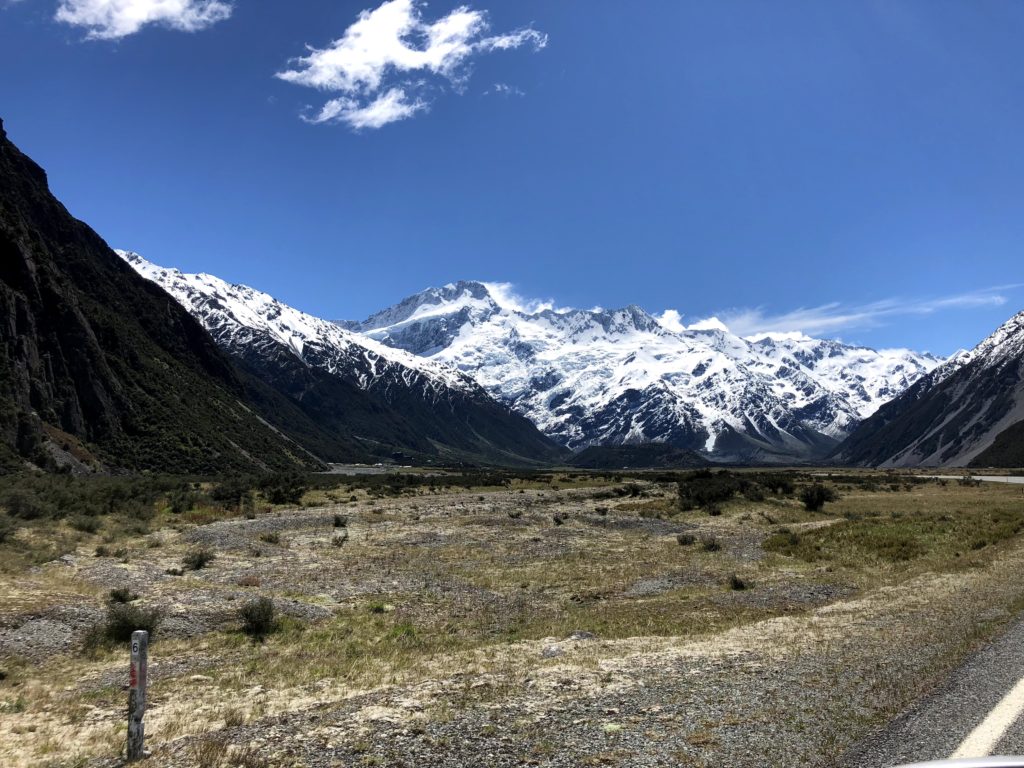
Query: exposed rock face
x=98, y=362
x=969, y=411
x=393, y=402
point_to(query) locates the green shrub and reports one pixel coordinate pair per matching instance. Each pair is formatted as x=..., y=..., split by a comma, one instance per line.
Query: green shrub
x=340, y=521
x=233, y=492
x=686, y=539
x=814, y=497
x=121, y=595
x=85, y=524
x=198, y=558
x=181, y=500
x=258, y=617
x=737, y=584
x=284, y=487
x=753, y=493
x=123, y=619
x=7, y=528
x=710, y=544
x=25, y=504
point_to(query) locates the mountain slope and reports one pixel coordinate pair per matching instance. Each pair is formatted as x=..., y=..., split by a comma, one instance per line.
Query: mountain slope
x=388, y=399
x=97, y=365
x=967, y=412
x=620, y=377
x=643, y=456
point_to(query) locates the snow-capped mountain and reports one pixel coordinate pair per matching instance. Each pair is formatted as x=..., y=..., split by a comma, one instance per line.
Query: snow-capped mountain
x=429, y=405
x=240, y=316
x=590, y=377
x=968, y=411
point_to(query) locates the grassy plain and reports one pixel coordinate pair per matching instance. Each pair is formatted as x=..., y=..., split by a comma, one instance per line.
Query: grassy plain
x=454, y=616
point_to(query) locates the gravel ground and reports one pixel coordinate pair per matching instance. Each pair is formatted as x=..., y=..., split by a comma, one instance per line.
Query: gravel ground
x=796, y=689
x=785, y=692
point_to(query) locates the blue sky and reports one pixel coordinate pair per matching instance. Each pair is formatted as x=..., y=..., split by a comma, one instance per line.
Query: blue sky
x=852, y=169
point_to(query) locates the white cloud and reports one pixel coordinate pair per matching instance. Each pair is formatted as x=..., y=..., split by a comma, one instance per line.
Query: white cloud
x=708, y=324
x=113, y=19
x=381, y=61
x=504, y=89
x=834, y=317
x=506, y=297
x=387, y=108
x=671, y=320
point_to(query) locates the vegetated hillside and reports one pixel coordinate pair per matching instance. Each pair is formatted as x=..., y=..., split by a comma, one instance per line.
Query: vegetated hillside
x=968, y=412
x=610, y=377
x=100, y=367
x=645, y=456
x=397, y=405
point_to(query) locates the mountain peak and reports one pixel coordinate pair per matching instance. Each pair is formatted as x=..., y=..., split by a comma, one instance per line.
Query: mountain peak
x=606, y=376
x=473, y=288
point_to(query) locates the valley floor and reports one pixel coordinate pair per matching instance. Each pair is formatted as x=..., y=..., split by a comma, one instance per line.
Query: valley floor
x=468, y=628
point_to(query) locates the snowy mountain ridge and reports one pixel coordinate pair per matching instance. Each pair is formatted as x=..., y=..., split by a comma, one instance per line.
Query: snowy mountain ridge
x=589, y=377
x=381, y=401
x=237, y=316
x=968, y=411
x=583, y=377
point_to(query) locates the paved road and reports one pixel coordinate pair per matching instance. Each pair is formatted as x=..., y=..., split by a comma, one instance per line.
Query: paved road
x=1013, y=479
x=977, y=711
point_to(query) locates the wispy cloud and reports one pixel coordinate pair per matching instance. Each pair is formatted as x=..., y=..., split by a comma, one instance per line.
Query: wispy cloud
x=114, y=19
x=386, y=108
x=506, y=297
x=835, y=317
x=504, y=89
x=380, y=65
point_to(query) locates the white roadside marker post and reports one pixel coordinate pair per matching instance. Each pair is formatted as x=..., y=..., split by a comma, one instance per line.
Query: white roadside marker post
x=137, y=695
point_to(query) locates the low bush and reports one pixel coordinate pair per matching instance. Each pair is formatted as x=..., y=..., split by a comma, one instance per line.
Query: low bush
x=198, y=558
x=814, y=497
x=258, y=617
x=737, y=584
x=284, y=487
x=26, y=504
x=121, y=595
x=122, y=619
x=234, y=491
x=710, y=544
x=85, y=524
x=7, y=528
x=686, y=539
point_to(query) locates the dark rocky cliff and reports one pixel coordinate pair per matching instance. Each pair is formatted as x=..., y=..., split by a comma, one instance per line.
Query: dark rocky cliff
x=98, y=363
